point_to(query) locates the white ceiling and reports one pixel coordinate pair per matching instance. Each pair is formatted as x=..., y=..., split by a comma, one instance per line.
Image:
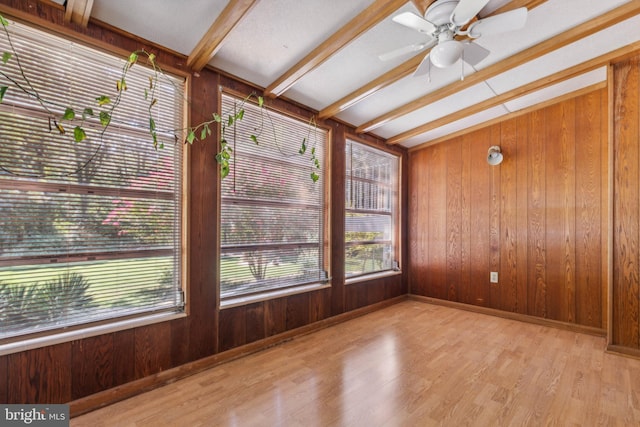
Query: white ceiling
x=275, y=34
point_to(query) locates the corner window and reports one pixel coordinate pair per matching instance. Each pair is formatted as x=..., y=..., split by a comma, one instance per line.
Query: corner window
x=371, y=210
x=89, y=231
x=272, y=213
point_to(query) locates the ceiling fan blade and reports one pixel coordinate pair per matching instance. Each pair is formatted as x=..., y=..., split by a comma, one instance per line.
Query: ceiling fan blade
x=424, y=67
x=474, y=53
x=466, y=10
x=404, y=50
x=502, y=23
x=415, y=22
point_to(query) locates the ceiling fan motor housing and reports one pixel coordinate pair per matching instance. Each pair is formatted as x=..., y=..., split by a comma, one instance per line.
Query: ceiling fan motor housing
x=439, y=13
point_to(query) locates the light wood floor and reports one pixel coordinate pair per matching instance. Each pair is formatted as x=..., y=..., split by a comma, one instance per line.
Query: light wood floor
x=412, y=364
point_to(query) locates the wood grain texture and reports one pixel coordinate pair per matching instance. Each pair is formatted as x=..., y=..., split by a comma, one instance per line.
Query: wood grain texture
x=4, y=379
x=233, y=328
x=466, y=281
x=152, y=349
x=495, y=289
x=40, y=376
x=626, y=238
x=535, y=219
x=588, y=210
x=437, y=223
x=203, y=236
x=560, y=214
x=522, y=214
x=379, y=370
x=93, y=359
x=508, y=272
x=479, y=217
x=454, y=218
x=536, y=207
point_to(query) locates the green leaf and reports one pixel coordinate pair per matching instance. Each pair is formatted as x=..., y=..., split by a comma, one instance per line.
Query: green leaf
x=133, y=58
x=260, y=101
x=226, y=155
x=6, y=56
x=254, y=139
x=313, y=151
x=105, y=118
x=303, y=147
x=103, y=100
x=224, y=171
x=155, y=139
x=79, y=134
x=314, y=177
x=162, y=145
x=219, y=158
x=152, y=124
x=69, y=114
x=230, y=120
x=3, y=90
x=146, y=94
x=203, y=133
x=217, y=117
x=152, y=57
x=3, y=21
x=87, y=112
x=240, y=114
x=191, y=136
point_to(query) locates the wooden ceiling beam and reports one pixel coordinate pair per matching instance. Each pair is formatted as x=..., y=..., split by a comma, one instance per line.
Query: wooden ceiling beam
x=399, y=72
x=422, y=5
x=78, y=11
x=518, y=92
x=578, y=32
x=369, y=17
x=215, y=36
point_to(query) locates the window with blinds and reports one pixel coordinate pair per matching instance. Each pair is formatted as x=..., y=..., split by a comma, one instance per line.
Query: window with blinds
x=89, y=231
x=272, y=213
x=371, y=210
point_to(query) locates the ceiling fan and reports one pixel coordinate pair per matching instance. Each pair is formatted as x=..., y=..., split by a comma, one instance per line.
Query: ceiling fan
x=444, y=20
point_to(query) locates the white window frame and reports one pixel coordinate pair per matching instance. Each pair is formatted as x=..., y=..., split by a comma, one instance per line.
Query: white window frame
x=393, y=267
x=319, y=276
x=109, y=322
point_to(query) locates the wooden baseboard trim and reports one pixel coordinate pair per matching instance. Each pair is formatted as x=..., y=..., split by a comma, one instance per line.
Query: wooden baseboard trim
x=513, y=316
x=619, y=350
x=124, y=391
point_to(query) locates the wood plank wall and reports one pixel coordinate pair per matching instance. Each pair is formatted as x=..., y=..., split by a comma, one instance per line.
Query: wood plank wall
x=70, y=371
x=625, y=305
x=536, y=219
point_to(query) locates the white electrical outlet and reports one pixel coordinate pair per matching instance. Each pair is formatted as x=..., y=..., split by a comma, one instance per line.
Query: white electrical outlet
x=493, y=277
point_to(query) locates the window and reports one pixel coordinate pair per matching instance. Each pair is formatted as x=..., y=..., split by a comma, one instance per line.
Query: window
x=272, y=213
x=371, y=210
x=89, y=231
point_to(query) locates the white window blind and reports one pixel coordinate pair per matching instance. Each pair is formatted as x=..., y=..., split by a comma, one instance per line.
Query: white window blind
x=272, y=213
x=371, y=193
x=89, y=231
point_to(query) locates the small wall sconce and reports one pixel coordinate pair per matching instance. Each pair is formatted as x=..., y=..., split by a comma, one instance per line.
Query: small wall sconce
x=494, y=157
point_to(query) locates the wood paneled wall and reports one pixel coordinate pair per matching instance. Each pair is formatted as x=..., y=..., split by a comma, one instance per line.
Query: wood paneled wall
x=73, y=370
x=537, y=219
x=625, y=305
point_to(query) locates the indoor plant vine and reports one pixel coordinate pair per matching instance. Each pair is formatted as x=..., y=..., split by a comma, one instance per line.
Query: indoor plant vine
x=106, y=106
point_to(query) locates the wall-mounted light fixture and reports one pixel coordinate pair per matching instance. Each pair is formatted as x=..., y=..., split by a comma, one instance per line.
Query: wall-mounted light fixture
x=494, y=157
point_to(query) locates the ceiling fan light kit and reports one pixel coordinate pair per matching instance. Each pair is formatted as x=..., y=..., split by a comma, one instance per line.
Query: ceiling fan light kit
x=446, y=19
